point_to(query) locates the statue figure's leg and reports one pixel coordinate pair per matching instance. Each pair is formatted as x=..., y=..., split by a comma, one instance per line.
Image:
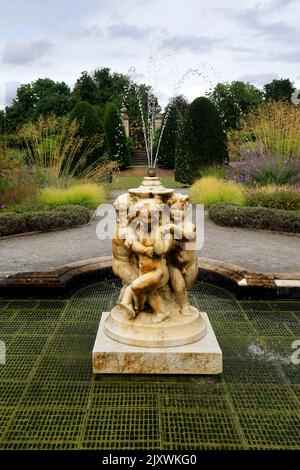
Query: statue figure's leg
x=178, y=286
x=139, y=301
x=191, y=273
x=147, y=282
x=144, y=284
x=127, y=302
x=122, y=292
x=156, y=302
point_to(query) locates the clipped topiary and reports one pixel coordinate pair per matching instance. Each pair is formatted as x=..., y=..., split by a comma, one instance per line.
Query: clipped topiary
x=60, y=218
x=277, y=199
x=260, y=218
x=90, y=129
x=201, y=141
x=166, y=154
x=116, y=141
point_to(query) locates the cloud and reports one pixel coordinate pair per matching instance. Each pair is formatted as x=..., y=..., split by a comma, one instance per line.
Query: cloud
x=11, y=91
x=251, y=18
x=194, y=44
x=280, y=3
x=93, y=31
x=259, y=79
x=292, y=56
x=8, y=92
x=20, y=51
x=123, y=30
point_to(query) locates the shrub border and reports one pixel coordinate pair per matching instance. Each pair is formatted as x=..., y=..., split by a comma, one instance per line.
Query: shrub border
x=231, y=215
x=58, y=229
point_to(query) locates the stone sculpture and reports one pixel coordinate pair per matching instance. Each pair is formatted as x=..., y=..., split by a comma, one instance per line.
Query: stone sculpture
x=154, y=256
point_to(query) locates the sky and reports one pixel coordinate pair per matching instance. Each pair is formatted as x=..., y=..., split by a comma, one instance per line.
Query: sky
x=177, y=46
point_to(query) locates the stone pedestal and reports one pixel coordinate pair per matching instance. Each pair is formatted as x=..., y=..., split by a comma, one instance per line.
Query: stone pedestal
x=176, y=330
x=203, y=356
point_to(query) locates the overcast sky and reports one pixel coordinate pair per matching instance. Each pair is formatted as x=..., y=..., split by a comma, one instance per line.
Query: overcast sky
x=161, y=39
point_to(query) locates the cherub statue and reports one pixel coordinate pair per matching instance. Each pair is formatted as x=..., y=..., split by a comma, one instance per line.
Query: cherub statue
x=182, y=262
x=124, y=262
x=147, y=242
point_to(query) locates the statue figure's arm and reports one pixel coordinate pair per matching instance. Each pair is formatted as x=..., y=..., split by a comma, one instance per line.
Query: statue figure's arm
x=137, y=247
x=132, y=243
x=189, y=231
x=184, y=231
x=162, y=245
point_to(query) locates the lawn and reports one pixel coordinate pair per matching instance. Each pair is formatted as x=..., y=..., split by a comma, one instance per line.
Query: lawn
x=126, y=182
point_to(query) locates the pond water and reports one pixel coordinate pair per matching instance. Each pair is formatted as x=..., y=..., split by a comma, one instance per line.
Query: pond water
x=50, y=399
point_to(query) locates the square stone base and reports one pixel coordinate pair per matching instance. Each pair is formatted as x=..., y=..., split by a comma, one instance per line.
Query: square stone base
x=201, y=357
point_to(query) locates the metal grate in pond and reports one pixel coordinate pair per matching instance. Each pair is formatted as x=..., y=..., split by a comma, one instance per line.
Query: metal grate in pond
x=50, y=399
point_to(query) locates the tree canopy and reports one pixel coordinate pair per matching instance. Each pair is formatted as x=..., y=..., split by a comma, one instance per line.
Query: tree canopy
x=42, y=97
x=45, y=96
x=279, y=90
x=233, y=100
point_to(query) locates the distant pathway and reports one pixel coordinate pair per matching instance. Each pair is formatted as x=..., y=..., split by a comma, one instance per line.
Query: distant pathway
x=255, y=250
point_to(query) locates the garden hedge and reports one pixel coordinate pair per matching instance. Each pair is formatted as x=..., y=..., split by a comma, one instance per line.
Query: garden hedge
x=90, y=128
x=116, y=142
x=201, y=141
x=12, y=223
x=255, y=217
x=288, y=200
x=166, y=154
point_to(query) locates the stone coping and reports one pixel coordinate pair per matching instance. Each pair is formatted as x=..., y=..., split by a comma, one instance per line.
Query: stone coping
x=63, y=281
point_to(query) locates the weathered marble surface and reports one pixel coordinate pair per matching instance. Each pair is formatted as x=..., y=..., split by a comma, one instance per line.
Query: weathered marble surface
x=155, y=257
x=200, y=357
x=175, y=330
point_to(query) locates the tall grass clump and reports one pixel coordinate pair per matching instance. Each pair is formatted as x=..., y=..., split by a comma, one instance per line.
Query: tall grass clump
x=268, y=145
x=218, y=171
x=210, y=190
x=86, y=194
x=55, y=145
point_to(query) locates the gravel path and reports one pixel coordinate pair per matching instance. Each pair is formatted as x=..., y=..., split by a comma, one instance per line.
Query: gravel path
x=259, y=251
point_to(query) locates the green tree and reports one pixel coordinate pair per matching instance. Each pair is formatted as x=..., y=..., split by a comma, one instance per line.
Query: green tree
x=111, y=87
x=201, y=141
x=181, y=103
x=166, y=151
x=51, y=98
x=117, y=88
x=22, y=107
x=139, y=97
x=279, y=90
x=2, y=121
x=42, y=97
x=233, y=100
x=85, y=88
x=117, y=147
x=90, y=130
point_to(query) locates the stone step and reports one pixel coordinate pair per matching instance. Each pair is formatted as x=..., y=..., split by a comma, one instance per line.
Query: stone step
x=139, y=158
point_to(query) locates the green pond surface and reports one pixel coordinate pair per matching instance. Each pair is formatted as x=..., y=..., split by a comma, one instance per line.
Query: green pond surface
x=50, y=399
